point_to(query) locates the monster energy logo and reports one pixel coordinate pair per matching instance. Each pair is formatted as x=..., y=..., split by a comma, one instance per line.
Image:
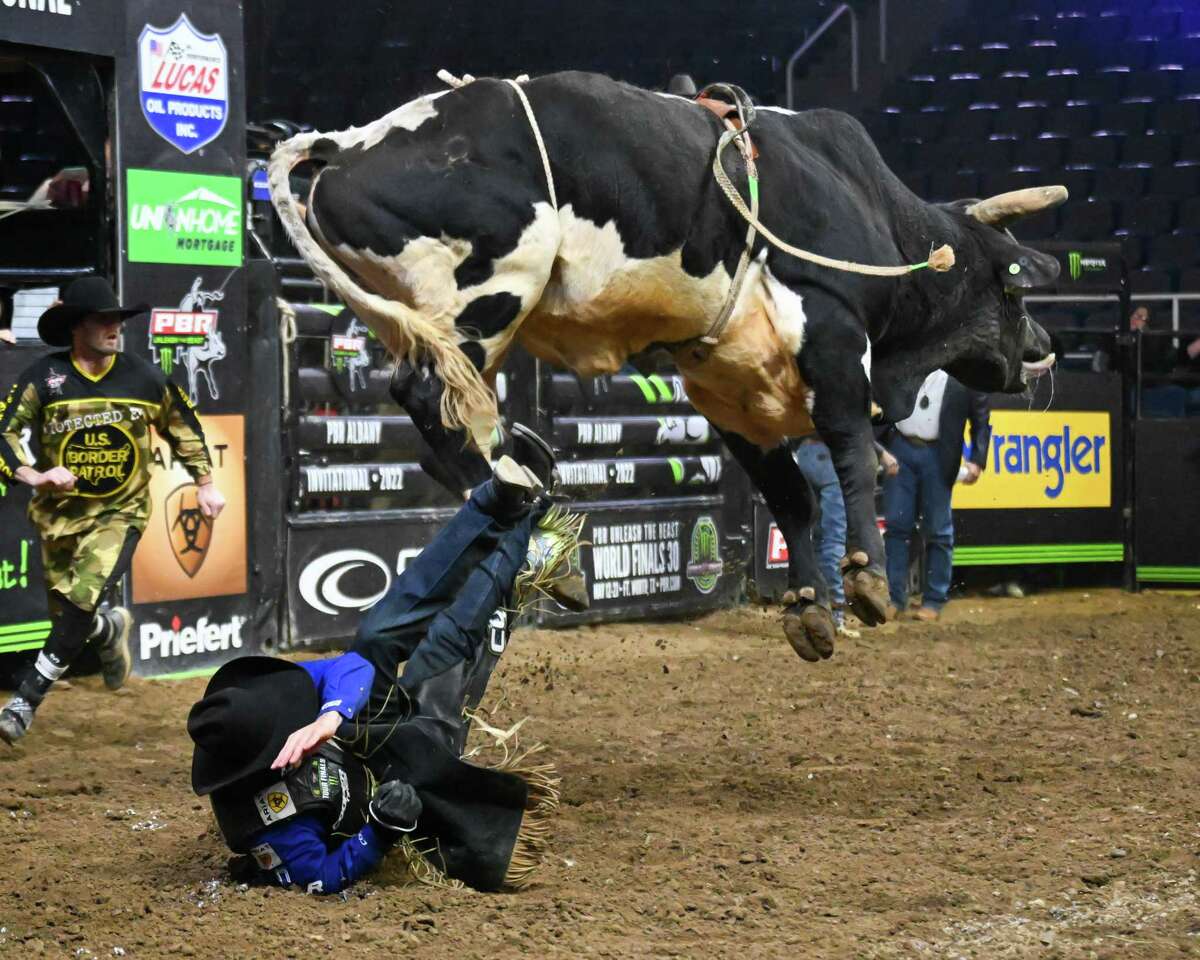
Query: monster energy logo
x=1078, y=264
x=705, y=566
x=166, y=359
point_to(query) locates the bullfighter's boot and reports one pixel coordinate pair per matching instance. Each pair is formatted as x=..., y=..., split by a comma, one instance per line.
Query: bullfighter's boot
x=112, y=644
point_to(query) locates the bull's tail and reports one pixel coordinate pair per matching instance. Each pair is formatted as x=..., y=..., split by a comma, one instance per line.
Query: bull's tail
x=467, y=401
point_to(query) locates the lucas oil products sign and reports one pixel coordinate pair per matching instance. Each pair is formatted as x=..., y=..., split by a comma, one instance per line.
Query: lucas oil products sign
x=187, y=218
x=1050, y=460
x=183, y=83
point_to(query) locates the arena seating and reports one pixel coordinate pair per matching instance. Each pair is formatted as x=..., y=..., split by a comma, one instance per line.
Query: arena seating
x=1101, y=95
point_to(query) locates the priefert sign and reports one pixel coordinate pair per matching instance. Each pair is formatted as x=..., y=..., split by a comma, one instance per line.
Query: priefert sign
x=179, y=640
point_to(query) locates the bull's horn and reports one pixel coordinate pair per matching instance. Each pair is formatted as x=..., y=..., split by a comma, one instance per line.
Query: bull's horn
x=1004, y=207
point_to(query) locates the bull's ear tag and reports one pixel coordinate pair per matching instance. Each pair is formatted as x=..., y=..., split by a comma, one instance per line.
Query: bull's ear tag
x=1014, y=268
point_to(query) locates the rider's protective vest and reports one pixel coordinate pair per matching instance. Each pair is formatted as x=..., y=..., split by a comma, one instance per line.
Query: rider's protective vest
x=330, y=784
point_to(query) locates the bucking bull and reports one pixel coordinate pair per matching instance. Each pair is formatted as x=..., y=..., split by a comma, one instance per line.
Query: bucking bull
x=583, y=221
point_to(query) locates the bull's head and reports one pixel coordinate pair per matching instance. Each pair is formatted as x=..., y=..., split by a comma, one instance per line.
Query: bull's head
x=1001, y=346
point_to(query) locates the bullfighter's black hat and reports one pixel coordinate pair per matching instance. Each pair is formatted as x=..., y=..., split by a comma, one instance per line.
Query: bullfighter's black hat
x=83, y=298
x=249, y=709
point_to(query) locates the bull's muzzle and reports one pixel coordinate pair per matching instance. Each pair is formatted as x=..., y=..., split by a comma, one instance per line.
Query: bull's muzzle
x=1036, y=357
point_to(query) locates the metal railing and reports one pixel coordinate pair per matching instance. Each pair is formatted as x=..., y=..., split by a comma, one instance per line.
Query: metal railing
x=1174, y=298
x=838, y=12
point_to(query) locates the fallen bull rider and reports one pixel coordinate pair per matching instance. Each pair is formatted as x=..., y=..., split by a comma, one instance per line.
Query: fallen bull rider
x=316, y=770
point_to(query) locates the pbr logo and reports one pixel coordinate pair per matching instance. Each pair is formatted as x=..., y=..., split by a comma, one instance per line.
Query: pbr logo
x=704, y=567
x=777, y=550
x=184, y=83
x=189, y=336
x=349, y=355
x=188, y=529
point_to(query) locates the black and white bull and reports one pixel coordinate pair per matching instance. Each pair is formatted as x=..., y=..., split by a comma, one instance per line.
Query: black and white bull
x=436, y=224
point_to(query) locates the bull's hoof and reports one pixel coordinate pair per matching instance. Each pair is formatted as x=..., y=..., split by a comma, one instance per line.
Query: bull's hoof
x=866, y=594
x=810, y=630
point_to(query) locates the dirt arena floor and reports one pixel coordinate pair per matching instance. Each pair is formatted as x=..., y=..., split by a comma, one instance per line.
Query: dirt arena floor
x=1020, y=780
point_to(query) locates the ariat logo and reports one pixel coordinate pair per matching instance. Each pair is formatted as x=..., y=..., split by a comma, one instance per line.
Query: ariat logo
x=1078, y=265
x=188, y=529
x=277, y=801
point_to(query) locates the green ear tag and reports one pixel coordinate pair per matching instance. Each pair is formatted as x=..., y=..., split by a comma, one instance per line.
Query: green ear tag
x=1014, y=268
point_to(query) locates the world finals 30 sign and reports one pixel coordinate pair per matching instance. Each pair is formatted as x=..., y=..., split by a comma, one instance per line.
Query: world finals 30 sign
x=184, y=83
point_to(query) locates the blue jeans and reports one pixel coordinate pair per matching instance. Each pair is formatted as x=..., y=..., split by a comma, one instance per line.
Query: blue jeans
x=918, y=491
x=829, y=534
x=436, y=615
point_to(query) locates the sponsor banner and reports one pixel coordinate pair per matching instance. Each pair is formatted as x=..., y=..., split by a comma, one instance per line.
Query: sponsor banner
x=184, y=554
x=632, y=431
x=187, y=336
x=183, y=83
x=1086, y=266
x=619, y=394
x=670, y=553
x=83, y=25
x=339, y=567
x=188, y=637
x=1044, y=460
x=776, y=549
x=189, y=218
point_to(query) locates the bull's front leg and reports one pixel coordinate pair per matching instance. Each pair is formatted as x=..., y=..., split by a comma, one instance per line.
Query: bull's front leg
x=863, y=576
x=807, y=617
x=835, y=363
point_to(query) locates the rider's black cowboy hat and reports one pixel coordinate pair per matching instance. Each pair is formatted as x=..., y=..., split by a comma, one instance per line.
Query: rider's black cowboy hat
x=83, y=298
x=249, y=709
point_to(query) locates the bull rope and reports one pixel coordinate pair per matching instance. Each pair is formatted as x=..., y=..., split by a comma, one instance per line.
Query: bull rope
x=459, y=82
x=940, y=260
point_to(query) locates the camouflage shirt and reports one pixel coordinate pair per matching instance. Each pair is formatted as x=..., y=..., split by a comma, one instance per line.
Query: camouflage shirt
x=99, y=429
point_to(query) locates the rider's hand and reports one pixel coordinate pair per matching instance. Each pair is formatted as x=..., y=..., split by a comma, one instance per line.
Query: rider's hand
x=891, y=466
x=305, y=740
x=395, y=807
x=973, y=472
x=210, y=500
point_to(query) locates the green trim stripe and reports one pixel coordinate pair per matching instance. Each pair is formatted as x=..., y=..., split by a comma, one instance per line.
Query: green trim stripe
x=23, y=636
x=664, y=391
x=1170, y=574
x=184, y=674
x=12, y=646
x=644, y=386
x=31, y=627
x=676, y=468
x=1039, y=553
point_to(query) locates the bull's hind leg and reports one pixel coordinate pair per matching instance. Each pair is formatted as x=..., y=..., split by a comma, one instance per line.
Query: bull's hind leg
x=807, y=617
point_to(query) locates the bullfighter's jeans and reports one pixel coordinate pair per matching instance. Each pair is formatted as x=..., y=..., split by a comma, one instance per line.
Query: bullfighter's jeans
x=918, y=491
x=437, y=615
x=829, y=534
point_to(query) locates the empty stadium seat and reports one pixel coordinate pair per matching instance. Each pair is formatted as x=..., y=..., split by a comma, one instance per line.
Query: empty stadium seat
x=1189, y=280
x=1180, y=117
x=1147, y=151
x=1017, y=124
x=1189, y=215
x=1069, y=121
x=1151, y=85
x=1178, y=251
x=1117, y=184
x=1120, y=118
x=1148, y=216
x=1174, y=182
x=1041, y=154
x=1087, y=221
x=1094, y=152
x=1150, y=281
